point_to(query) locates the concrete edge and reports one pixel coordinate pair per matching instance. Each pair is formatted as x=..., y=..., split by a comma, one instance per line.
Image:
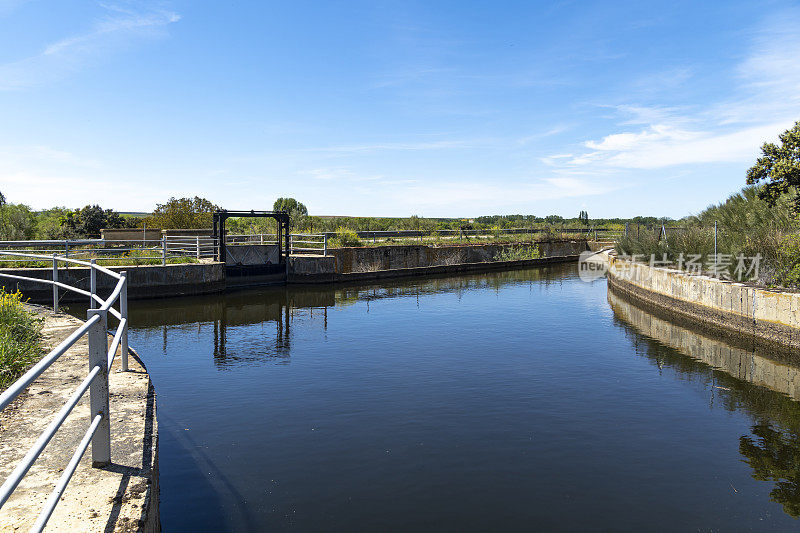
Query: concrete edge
x=766, y=334
x=461, y=268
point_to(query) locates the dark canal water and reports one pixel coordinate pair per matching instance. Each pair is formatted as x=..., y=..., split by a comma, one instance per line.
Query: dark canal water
x=526, y=400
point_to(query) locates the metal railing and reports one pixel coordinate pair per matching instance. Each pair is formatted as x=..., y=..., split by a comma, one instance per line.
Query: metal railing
x=252, y=238
x=101, y=357
x=462, y=234
x=163, y=249
x=307, y=243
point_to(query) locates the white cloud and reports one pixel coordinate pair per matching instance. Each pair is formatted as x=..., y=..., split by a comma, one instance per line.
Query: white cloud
x=764, y=102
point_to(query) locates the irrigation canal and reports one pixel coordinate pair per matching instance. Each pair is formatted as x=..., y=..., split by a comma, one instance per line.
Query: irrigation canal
x=525, y=400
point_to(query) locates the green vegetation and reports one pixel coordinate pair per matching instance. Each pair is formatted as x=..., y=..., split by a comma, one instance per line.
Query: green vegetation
x=20, y=337
x=88, y=222
x=780, y=167
x=298, y=213
x=183, y=213
x=760, y=219
x=518, y=253
x=345, y=237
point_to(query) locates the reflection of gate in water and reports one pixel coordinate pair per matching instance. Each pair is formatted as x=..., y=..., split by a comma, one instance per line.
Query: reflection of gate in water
x=259, y=346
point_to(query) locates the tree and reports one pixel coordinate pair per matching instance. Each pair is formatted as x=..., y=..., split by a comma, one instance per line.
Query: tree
x=298, y=213
x=773, y=455
x=182, y=213
x=17, y=222
x=89, y=220
x=583, y=217
x=781, y=166
x=50, y=224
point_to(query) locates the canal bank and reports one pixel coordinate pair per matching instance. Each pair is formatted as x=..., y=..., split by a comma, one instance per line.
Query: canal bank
x=761, y=315
x=340, y=265
x=123, y=496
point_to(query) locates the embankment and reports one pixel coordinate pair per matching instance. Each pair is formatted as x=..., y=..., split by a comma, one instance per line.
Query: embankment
x=762, y=315
x=344, y=265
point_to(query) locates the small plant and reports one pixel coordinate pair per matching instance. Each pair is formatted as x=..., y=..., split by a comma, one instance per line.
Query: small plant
x=346, y=237
x=20, y=337
x=518, y=253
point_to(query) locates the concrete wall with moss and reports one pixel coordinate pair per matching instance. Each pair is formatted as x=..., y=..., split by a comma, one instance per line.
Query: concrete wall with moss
x=767, y=314
x=373, y=259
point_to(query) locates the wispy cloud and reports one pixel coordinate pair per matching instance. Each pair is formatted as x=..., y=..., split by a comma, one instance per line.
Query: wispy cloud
x=764, y=102
x=118, y=28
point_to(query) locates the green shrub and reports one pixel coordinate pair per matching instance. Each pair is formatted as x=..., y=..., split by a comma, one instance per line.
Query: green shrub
x=518, y=253
x=345, y=237
x=787, y=264
x=20, y=337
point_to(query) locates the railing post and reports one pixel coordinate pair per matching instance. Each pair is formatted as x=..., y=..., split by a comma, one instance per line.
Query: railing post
x=92, y=283
x=98, y=391
x=291, y=245
x=55, y=287
x=164, y=250
x=198, y=247
x=715, y=240
x=123, y=311
x=66, y=248
x=325, y=244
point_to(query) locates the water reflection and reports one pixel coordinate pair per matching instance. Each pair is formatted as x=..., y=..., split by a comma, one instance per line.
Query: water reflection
x=257, y=325
x=763, y=385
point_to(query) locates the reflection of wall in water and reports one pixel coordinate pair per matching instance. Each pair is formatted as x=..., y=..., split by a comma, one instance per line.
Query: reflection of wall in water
x=738, y=380
x=275, y=309
x=742, y=364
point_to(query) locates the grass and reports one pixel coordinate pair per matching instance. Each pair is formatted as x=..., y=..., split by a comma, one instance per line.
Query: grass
x=437, y=239
x=518, y=253
x=20, y=337
x=746, y=225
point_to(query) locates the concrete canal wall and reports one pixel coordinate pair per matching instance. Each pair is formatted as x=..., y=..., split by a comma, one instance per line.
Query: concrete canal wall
x=149, y=281
x=340, y=265
x=371, y=259
x=385, y=262
x=764, y=314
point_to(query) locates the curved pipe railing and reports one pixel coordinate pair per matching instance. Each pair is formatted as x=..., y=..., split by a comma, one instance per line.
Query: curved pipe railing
x=101, y=357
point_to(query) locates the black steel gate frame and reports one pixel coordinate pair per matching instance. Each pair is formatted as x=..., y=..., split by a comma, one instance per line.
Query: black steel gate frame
x=281, y=217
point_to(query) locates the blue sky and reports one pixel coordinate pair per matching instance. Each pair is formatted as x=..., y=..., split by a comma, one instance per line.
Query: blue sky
x=393, y=108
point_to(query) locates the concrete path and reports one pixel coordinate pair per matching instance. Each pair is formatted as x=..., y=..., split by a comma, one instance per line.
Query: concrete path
x=120, y=497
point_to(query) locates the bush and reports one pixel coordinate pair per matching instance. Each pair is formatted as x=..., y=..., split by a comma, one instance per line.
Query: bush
x=20, y=337
x=346, y=237
x=787, y=267
x=518, y=253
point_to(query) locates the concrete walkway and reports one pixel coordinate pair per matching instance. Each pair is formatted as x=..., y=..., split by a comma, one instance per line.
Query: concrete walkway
x=120, y=497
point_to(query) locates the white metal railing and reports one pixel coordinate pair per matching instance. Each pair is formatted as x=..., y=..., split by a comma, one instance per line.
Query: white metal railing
x=305, y=243
x=254, y=238
x=101, y=357
x=163, y=249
